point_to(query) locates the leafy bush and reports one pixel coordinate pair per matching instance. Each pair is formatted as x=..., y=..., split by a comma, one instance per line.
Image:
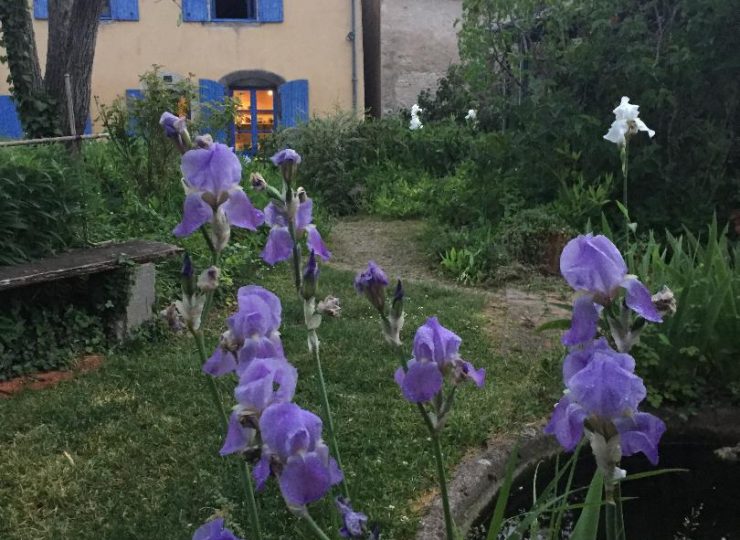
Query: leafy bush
x=694, y=353
x=559, y=68
x=45, y=327
x=44, y=203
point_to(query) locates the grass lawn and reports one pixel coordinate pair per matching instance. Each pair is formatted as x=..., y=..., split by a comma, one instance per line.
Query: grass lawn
x=131, y=451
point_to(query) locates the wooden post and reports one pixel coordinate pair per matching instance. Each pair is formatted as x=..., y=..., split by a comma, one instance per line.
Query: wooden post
x=70, y=105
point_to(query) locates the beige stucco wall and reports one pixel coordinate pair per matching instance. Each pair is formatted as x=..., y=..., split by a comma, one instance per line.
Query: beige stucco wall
x=418, y=42
x=311, y=43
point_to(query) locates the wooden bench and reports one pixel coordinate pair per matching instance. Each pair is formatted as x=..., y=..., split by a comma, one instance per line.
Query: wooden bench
x=100, y=258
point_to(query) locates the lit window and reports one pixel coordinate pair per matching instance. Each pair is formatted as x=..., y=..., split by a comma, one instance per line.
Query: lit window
x=235, y=9
x=255, y=117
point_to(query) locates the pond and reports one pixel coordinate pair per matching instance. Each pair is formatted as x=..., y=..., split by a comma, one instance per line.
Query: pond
x=701, y=504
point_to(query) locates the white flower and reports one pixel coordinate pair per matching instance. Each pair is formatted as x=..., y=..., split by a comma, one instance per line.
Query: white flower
x=415, y=110
x=626, y=123
x=472, y=115
x=415, y=123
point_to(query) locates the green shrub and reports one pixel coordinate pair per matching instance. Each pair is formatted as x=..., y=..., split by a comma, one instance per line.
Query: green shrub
x=560, y=68
x=695, y=352
x=45, y=327
x=44, y=202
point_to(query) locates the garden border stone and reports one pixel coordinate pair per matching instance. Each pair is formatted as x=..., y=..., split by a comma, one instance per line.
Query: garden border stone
x=478, y=477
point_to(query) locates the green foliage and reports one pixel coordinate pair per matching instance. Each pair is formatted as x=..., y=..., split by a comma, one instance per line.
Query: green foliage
x=37, y=110
x=153, y=396
x=694, y=353
x=47, y=326
x=548, y=74
x=45, y=202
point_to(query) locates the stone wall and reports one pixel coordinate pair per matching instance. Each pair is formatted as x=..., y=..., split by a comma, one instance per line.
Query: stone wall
x=418, y=44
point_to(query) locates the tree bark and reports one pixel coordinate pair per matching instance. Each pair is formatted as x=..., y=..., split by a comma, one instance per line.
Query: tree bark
x=73, y=29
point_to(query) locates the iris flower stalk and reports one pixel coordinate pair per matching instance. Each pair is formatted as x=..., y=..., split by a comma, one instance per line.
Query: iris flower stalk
x=212, y=173
x=293, y=210
x=421, y=379
x=627, y=123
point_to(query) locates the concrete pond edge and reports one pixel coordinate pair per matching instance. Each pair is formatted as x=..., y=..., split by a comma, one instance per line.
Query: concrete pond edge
x=479, y=476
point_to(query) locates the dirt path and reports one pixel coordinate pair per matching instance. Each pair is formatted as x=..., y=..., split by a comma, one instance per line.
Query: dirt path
x=512, y=312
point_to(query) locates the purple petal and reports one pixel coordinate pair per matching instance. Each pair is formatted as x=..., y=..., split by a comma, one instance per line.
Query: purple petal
x=214, y=530
x=468, y=371
x=261, y=471
x=353, y=523
x=641, y=433
x=220, y=363
x=373, y=276
x=304, y=215
x=215, y=169
x=593, y=264
x=238, y=437
x=305, y=479
x=605, y=388
x=266, y=381
x=196, y=212
x=421, y=382
x=284, y=425
x=578, y=358
x=287, y=155
x=275, y=215
x=567, y=423
x=268, y=346
x=279, y=246
x=436, y=343
x=315, y=243
x=640, y=301
x=241, y=213
x=584, y=323
x=259, y=312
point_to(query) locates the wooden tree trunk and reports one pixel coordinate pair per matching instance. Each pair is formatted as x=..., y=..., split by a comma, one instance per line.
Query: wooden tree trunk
x=73, y=30
x=27, y=86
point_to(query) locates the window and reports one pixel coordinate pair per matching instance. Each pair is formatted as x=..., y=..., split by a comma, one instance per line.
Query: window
x=255, y=117
x=207, y=11
x=113, y=10
x=235, y=9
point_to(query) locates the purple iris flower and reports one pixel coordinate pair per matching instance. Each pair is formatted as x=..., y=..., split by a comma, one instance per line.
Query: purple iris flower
x=287, y=155
x=263, y=382
x=603, y=389
x=294, y=451
x=173, y=125
x=372, y=283
x=354, y=524
x=435, y=354
x=213, y=194
x=214, y=530
x=253, y=332
x=593, y=265
x=279, y=245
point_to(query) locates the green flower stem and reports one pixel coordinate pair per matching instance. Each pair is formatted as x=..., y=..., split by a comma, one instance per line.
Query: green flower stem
x=315, y=527
x=625, y=170
x=244, y=471
x=327, y=411
x=441, y=476
x=610, y=510
x=439, y=458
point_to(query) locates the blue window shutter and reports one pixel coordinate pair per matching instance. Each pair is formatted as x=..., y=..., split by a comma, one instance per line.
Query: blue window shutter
x=293, y=96
x=132, y=94
x=41, y=9
x=270, y=10
x=195, y=10
x=124, y=10
x=10, y=123
x=212, y=96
